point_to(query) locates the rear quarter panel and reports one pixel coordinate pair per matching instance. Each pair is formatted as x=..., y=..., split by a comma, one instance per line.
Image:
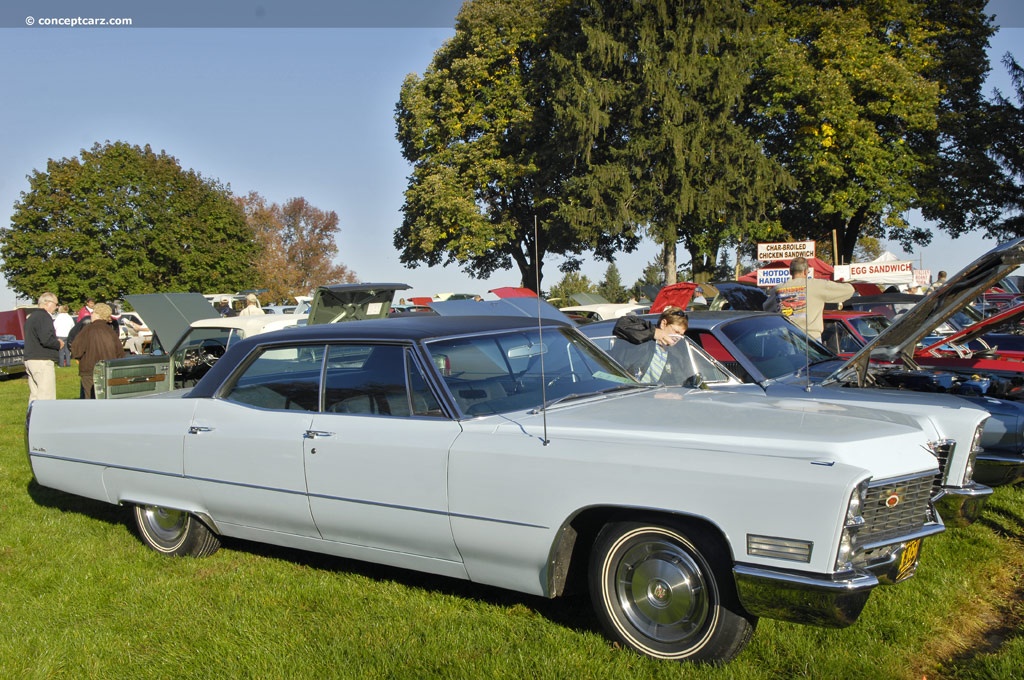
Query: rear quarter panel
x=111, y=450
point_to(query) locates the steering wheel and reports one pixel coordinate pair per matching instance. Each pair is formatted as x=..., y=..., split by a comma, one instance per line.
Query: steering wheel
x=210, y=352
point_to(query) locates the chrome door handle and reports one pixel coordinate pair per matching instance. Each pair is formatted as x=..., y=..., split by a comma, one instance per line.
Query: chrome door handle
x=313, y=434
x=196, y=429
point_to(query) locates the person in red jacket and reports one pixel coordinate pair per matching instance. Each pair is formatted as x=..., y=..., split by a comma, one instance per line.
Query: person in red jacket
x=86, y=310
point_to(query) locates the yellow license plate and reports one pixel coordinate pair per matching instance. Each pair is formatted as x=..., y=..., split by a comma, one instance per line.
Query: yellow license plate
x=908, y=559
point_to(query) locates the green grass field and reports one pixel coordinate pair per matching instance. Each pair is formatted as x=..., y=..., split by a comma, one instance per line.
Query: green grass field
x=80, y=597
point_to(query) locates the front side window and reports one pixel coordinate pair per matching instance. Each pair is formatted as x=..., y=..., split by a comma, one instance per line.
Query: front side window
x=688, y=364
x=517, y=370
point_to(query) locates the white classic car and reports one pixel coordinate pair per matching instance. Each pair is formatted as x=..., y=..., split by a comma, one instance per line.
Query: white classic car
x=512, y=452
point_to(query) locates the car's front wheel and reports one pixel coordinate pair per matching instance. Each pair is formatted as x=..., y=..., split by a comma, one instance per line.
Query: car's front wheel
x=667, y=595
x=174, y=532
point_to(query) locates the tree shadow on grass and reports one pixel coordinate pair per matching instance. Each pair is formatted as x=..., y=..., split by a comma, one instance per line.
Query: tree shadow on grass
x=572, y=611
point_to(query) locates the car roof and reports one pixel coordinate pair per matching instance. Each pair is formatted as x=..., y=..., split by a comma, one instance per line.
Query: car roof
x=399, y=329
x=849, y=313
x=531, y=307
x=412, y=327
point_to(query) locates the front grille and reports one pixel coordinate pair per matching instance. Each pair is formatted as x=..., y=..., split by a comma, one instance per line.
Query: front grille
x=895, y=508
x=12, y=356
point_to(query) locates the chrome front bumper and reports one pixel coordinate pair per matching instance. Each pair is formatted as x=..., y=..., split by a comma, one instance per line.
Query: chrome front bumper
x=830, y=601
x=800, y=598
x=996, y=469
x=959, y=507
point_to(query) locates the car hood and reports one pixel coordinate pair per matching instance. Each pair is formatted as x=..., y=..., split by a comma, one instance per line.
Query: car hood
x=352, y=302
x=987, y=325
x=169, y=315
x=789, y=428
x=675, y=295
x=899, y=340
x=739, y=296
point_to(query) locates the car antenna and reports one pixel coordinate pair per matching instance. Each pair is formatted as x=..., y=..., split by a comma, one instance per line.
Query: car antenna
x=807, y=336
x=540, y=331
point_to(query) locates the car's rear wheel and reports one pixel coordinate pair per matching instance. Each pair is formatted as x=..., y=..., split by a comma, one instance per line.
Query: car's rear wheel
x=667, y=595
x=174, y=532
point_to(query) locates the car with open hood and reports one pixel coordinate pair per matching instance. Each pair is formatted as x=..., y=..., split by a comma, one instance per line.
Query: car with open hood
x=512, y=452
x=189, y=336
x=945, y=363
x=197, y=336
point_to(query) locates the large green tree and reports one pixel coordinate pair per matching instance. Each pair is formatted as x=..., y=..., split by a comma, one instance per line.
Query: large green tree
x=478, y=129
x=651, y=95
x=857, y=100
x=961, y=187
x=121, y=219
x=572, y=282
x=1005, y=147
x=611, y=287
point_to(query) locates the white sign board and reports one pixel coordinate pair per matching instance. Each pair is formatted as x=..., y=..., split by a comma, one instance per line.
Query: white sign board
x=784, y=251
x=889, y=273
x=773, y=277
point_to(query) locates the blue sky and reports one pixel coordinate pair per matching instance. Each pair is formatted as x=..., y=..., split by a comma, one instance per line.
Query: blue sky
x=279, y=110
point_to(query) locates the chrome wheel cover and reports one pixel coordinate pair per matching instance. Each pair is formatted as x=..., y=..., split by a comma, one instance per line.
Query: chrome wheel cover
x=663, y=592
x=164, y=525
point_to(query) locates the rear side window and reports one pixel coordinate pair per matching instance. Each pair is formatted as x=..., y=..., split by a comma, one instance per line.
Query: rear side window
x=361, y=379
x=282, y=379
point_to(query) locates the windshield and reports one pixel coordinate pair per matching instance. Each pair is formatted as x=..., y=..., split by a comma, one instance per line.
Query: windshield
x=870, y=326
x=688, y=365
x=774, y=346
x=521, y=370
